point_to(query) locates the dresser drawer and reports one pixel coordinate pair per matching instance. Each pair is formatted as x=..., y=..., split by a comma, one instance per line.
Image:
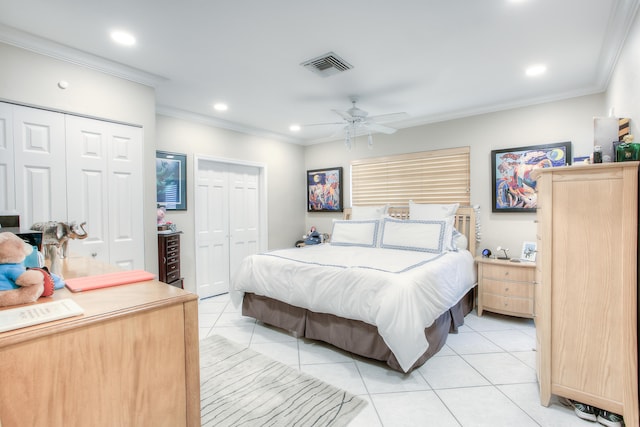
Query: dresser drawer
x=521, y=306
x=173, y=276
x=501, y=272
x=508, y=289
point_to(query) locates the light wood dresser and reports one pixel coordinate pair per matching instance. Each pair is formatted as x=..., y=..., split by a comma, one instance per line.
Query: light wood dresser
x=506, y=287
x=586, y=305
x=132, y=359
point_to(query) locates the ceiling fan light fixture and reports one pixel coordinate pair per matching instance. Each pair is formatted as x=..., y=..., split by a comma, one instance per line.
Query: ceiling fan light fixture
x=370, y=141
x=347, y=138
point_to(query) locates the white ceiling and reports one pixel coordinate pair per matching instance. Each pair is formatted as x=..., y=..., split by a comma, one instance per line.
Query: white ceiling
x=433, y=59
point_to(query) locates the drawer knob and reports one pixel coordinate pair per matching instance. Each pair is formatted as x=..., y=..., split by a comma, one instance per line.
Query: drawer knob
x=506, y=273
x=506, y=289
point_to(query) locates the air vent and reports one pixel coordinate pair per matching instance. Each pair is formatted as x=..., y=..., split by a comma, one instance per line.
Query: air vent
x=327, y=65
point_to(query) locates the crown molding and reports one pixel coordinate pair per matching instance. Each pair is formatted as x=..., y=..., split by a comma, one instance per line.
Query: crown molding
x=31, y=42
x=224, y=124
x=618, y=28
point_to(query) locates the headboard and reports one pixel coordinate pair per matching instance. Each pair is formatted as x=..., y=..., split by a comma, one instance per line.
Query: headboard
x=465, y=221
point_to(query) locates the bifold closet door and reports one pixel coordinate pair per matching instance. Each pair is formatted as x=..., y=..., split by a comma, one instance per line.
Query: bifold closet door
x=227, y=204
x=7, y=182
x=39, y=165
x=104, y=189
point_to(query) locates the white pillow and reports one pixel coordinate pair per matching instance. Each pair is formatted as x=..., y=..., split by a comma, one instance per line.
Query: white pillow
x=436, y=211
x=355, y=233
x=368, y=212
x=431, y=210
x=414, y=235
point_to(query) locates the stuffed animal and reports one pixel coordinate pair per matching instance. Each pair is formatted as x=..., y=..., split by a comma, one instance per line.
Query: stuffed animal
x=19, y=285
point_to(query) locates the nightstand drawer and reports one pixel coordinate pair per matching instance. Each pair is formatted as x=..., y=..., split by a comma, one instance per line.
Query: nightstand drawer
x=523, y=306
x=508, y=289
x=504, y=272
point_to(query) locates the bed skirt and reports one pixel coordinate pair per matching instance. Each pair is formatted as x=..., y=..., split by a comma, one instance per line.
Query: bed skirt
x=352, y=335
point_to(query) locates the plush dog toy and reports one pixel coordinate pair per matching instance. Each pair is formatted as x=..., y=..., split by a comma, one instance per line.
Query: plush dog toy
x=19, y=285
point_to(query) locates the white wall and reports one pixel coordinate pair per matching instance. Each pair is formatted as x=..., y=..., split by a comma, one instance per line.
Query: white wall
x=570, y=120
x=31, y=79
x=285, y=179
x=623, y=94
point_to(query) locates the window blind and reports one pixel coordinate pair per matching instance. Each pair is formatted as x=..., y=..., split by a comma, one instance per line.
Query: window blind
x=439, y=176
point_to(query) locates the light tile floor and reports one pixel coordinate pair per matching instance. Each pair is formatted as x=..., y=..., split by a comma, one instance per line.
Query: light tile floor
x=484, y=376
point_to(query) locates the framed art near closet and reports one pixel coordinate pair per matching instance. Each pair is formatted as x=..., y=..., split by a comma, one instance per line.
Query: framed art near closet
x=171, y=180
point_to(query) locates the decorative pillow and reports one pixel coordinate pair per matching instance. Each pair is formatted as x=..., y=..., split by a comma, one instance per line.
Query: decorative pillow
x=459, y=240
x=355, y=233
x=368, y=212
x=436, y=211
x=414, y=235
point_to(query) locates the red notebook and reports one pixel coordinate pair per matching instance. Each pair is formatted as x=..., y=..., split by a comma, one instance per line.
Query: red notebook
x=88, y=283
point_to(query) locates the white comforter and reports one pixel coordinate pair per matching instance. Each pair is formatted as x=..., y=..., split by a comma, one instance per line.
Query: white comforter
x=400, y=292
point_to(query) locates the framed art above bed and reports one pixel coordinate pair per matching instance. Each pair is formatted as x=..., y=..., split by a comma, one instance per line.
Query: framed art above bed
x=324, y=190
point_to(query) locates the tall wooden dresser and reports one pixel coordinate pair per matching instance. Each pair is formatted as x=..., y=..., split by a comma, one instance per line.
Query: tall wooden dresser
x=586, y=297
x=169, y=258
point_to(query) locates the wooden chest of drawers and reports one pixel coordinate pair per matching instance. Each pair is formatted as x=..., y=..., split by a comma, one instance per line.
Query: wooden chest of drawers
x=506, y=287
x=169, y=258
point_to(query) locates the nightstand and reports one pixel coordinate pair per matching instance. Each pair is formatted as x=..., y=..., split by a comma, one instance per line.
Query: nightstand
x=506, y=287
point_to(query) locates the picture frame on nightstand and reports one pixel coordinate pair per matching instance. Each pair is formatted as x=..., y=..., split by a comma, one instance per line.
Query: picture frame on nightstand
x=529, y=251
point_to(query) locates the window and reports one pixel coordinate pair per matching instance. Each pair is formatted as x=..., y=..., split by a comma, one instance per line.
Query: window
x=439, y=176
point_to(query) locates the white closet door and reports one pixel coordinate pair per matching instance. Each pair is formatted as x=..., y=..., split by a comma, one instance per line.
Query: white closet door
x=39, y=153
x=126, y=244
x=104, y=181
x=212, y=228
x=7, y=184
x=87, y=185
x=245, y=213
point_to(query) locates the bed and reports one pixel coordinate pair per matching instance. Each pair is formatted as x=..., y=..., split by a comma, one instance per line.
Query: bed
x=389, y=287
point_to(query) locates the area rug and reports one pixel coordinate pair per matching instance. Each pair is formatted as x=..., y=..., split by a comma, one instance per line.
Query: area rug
x=241, y=387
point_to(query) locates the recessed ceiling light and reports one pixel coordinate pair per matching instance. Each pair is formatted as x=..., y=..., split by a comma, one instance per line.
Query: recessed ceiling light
x=536, y=70
x=294, y=128
x=220, y=106
x=123, y=38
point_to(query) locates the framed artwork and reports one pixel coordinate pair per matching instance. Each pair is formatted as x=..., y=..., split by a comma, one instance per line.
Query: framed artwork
x=513, y=188
x=324, y=190
x=529, y=250
x=171, y=180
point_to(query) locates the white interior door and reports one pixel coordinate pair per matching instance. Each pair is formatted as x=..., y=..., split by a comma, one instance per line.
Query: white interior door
x=244, y=221
x=211, y=227
x=39, y=161
x=7, y=184
x=227, y=221
x=87, y=185
x=104, y=182
x=126, y=237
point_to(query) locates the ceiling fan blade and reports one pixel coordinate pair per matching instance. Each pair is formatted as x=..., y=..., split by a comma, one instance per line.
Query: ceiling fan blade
x=380, y=128
x=391, y=117
x=343, y=114
x=322, y=124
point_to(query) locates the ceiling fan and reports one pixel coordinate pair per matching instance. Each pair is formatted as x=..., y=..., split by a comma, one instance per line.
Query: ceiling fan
x=358, y=122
